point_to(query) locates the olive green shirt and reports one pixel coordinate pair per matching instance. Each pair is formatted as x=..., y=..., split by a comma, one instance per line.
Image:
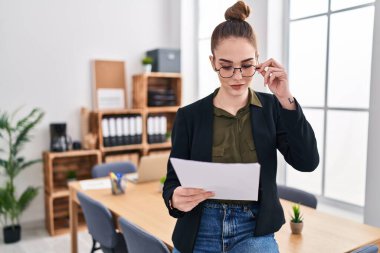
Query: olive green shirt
x=232, y=135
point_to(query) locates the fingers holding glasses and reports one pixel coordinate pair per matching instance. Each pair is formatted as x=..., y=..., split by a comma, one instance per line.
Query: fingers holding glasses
x=268, y=73
x=279, y=75
x=269, y=63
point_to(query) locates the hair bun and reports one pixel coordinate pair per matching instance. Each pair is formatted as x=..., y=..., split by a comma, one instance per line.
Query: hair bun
x=239, y=11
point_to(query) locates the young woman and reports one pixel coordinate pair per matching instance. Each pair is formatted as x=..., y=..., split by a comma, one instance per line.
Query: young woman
x=237, y=125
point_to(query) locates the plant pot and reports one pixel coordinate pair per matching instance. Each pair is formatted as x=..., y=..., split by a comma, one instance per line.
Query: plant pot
x=160, y=187
x=148, y=68
x=12, y=234
x=296, y=227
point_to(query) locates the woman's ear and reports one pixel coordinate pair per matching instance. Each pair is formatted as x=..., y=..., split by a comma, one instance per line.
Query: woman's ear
x=212, y=62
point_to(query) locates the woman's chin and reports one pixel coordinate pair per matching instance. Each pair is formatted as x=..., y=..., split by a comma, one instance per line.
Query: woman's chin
x=237, y=90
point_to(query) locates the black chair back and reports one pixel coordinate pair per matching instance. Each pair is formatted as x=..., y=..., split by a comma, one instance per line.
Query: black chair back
x=297, y=196
x=139, y=241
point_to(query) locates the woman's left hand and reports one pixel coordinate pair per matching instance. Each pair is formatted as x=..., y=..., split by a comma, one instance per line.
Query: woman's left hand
x=276, y=78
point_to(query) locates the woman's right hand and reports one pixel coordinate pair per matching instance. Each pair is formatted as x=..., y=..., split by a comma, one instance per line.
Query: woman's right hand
x=185, y=199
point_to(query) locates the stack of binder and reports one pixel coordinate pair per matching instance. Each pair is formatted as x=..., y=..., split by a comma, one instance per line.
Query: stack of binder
x=161, y=96
x=121, y=130
x=157, y=128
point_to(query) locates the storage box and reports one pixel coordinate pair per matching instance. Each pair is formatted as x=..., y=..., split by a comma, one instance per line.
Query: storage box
x=166, y=60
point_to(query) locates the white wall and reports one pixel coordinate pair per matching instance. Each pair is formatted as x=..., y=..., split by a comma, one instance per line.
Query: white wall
x=189, y=52
x=259, y=21
x=45, y=52
x=372, y=200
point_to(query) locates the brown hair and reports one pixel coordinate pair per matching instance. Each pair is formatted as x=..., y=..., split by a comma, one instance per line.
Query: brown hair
x=235, y=26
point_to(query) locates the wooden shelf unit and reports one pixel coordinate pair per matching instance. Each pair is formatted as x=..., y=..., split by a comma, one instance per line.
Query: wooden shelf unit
x=142, y=83
x=144, y=147
x=56, y=167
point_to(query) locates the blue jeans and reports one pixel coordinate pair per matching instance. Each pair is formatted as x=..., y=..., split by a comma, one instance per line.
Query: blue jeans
x=230, y=228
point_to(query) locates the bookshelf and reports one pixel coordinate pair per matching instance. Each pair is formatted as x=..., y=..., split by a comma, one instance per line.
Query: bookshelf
x=155, y=95
x=149, y=89
x=56, y=168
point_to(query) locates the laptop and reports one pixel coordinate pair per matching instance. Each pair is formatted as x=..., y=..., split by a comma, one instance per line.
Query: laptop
x=151, y=168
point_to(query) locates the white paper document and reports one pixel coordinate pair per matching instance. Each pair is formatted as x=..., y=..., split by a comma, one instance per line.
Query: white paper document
x=233, y=181
x=111, y=99
x=95, y=184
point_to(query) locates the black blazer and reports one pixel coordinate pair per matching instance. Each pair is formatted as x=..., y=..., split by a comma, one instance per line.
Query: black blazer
x=272, y=128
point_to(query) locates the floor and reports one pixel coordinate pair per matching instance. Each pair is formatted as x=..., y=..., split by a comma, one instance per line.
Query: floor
x=35, y=239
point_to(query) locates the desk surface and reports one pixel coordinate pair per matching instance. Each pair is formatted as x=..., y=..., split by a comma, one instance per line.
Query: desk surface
x=143, y=205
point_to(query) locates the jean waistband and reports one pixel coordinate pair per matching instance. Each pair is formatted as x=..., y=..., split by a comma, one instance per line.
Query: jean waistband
x=218, y=203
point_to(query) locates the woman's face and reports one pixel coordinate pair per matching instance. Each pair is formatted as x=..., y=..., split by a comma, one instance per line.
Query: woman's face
x=230, y=53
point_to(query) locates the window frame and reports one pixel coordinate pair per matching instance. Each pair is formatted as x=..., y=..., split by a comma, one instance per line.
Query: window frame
x=286, y=28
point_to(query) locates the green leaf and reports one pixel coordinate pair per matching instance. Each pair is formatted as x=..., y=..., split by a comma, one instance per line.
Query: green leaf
x=24, y=126
x=8, y=201
x=2, y=192
x=22, y=122
x=26, y=197
x=296, y=216
x=22, y=165
x=3, y=163
x=4, y=122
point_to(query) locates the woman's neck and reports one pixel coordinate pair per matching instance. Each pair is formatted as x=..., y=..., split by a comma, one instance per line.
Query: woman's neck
x=229, y=103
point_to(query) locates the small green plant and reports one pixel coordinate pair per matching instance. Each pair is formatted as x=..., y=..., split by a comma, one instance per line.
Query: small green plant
x=162, y=180
x=71, y=174
x=147, y=60
x=168, y=135
x=297, y=216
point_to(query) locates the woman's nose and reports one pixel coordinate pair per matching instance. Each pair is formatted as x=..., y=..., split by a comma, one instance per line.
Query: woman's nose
x=237, y=74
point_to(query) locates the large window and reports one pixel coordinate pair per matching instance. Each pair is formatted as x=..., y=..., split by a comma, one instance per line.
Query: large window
x=330, y=49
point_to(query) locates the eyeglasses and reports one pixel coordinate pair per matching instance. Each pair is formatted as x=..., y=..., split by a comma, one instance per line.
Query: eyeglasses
x=245, y=71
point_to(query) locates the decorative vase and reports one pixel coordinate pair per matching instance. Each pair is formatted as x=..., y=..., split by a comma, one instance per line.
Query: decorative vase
x=12, y=234
x=68, y=180
x=296, y=227
x=148, y=68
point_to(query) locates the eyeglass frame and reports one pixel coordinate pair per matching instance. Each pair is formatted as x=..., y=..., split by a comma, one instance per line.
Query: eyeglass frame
x=241, y=72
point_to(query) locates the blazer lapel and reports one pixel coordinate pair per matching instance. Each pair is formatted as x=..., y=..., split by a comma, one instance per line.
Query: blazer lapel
x=206, y=135
x=259, y=132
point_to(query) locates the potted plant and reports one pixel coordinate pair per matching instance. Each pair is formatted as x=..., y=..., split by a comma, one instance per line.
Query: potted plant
x=147, y=62
x=296, y=222
x=71, y=175
x=168, y=136
x=13, y=137
x=162, y=181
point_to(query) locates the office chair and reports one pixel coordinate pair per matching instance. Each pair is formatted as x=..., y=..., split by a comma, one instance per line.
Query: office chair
x=103, y=170
x=139, y=241
x=297, y=196
x=100, y=226
x=367, y=249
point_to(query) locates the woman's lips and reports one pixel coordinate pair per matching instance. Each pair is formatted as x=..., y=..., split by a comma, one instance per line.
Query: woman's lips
x=237, y=86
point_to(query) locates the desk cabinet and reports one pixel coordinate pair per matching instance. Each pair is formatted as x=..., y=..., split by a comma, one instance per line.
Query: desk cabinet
x=57, y=168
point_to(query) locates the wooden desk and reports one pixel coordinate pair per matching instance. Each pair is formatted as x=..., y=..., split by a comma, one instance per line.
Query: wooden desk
x=143, y=205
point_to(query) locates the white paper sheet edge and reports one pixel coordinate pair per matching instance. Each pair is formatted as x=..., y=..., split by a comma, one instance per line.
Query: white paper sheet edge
x=232, y=181
x=95, y=184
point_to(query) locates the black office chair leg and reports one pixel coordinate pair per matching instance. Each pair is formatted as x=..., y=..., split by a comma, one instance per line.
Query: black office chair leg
x=94, y=248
